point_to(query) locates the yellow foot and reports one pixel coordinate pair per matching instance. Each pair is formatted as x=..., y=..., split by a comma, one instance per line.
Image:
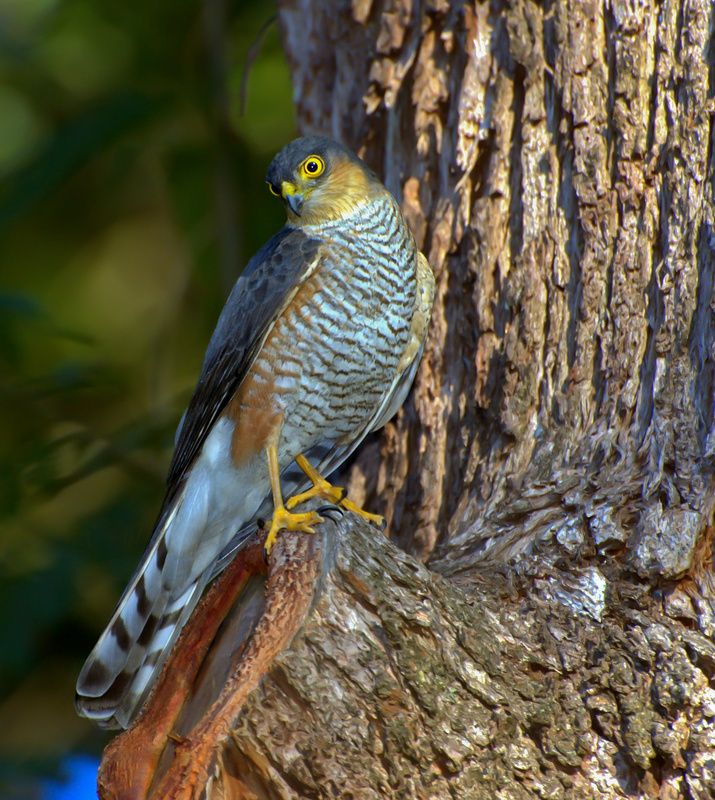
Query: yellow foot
x=321, y=488
x=375, y=519
x=282, y=518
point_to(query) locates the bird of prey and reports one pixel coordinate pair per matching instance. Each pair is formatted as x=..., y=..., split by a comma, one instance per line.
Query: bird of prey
x=316, y=347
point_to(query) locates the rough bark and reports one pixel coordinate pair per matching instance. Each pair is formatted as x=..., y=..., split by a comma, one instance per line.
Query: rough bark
x=553, y=469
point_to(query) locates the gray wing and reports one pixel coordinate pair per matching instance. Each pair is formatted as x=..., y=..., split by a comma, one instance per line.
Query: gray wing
x=267, y=284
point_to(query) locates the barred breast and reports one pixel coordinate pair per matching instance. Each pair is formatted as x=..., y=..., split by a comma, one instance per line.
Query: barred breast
x=335, y=351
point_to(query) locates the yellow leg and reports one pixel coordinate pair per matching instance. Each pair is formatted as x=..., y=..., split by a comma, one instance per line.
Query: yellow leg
x=320, y=488
x=334, y=494
x=281, y=517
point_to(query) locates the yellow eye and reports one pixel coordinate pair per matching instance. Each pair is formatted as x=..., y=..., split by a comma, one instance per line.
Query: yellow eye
x=272, y=190
x=312, y=167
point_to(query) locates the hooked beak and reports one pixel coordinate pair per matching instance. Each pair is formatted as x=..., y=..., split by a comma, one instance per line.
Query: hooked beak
x=293, y=197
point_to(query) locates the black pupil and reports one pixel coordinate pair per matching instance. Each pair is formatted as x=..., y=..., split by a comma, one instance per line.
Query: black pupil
x=312, y=166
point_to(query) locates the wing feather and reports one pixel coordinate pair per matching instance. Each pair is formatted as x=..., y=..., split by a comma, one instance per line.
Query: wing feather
x=259, y=296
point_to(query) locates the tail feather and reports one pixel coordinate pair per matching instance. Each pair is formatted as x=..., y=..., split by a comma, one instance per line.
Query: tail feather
x=111, y=693
x=167, y=632
x=136, y=641
x=141, y=601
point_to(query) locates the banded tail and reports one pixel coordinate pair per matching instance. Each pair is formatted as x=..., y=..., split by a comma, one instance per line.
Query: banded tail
x=124, y=663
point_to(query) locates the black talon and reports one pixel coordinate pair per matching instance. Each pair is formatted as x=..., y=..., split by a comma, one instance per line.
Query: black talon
x=326, y=511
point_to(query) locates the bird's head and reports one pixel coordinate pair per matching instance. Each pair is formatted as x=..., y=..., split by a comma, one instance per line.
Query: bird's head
x=319, y=179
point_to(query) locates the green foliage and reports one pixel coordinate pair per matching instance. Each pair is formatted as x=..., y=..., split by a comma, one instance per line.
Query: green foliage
x=131, y=195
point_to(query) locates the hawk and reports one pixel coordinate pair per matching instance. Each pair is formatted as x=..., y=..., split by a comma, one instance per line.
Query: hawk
x=316, y=347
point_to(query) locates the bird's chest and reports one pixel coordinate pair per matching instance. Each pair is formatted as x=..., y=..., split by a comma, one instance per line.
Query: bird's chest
x=334, y=351
x=354, y=314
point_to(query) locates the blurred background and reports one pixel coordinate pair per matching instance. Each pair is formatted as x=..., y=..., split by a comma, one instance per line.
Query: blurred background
x=131, y=195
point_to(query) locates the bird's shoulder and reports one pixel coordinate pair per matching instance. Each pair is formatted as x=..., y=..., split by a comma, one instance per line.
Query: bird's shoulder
x=266, y=285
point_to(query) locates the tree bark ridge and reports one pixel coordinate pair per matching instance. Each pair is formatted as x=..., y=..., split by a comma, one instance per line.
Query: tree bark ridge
x=555, y=163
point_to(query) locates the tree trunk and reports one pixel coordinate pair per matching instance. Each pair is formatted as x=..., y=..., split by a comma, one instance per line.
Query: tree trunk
x=553, y=469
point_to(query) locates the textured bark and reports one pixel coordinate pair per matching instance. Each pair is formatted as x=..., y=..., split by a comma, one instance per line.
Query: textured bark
x=553, y=469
